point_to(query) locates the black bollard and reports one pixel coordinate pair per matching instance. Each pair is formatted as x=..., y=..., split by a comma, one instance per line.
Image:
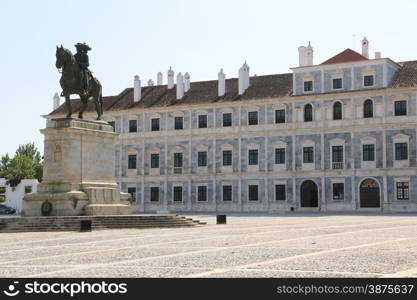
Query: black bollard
x=221, y=219
x=85, y=225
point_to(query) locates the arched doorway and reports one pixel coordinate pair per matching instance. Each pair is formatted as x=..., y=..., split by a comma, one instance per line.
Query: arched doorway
x=369, y=194
x=309, y=194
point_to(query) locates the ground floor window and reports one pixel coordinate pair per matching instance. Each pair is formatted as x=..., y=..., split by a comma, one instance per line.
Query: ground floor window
x=177, y=193
x=154, y=194
x=253, y=192
x=132, y=192
x=2, y=193
x=338, y=191
x=280, y=192
x=202, y=193
x=403, y=192
x=227, y=193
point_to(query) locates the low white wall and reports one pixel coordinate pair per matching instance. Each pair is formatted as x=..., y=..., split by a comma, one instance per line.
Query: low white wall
x=15, y=196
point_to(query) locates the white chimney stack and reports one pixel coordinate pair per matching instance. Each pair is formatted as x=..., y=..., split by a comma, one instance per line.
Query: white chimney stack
x=365, y=47
x=305, y=55
x=56, y=101
x=180, y=86
x=222, y=83
x=150, y=82
x=159, y=80
x=136, y=89
x=243, y=78
x=378, y=55
x=186, y=82
x=170, y=78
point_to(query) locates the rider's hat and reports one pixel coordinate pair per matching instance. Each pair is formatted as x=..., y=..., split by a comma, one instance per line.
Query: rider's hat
x=82, y=46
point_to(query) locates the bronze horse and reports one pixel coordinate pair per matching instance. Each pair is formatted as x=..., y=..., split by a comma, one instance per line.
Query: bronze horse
x=71, y=83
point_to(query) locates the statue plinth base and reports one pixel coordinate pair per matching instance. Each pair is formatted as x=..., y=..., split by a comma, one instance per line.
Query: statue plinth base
x=79, y=166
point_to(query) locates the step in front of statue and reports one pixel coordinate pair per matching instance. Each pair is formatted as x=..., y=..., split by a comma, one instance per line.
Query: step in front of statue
x=39, y=224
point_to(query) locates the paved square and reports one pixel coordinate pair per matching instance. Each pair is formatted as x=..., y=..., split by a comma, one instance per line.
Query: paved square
x=248, y=246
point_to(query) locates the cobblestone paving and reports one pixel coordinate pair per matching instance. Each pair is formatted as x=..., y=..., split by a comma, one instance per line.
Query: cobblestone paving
x=248, y=246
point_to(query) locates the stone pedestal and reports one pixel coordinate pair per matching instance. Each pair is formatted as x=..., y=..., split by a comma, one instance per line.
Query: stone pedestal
x=79, y=167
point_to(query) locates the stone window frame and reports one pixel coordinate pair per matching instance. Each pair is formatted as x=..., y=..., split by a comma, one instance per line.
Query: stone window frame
x=368, y=72
x=312, y=112
x=280, y=182
x=308, y=77
x=175, y=150
x=338, y=180
x=227, y=111
x=175, y=185
x=151, y=186
x=368, y=140
x=203, y=148
x=226, y=147
x=197, y=192
x=406, y=107
x=202, y=113
x=308, y=143
x=253, y=146
x=400, y=138
x=129, y=125
x=249, y=184
x=130, y=152
x=252, y=109
x=131, y=186
x=227, y=183
x=280, y=144
x=154, y=150
x=280, y=107
x=337, y=142
x=341, y=110
x=364, y=113
x=402, y=179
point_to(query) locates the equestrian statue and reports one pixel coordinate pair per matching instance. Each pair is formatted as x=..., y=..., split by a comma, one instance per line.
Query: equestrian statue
x=77, y=79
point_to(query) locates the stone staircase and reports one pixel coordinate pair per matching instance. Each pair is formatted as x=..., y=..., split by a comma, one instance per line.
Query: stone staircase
x=69, y=223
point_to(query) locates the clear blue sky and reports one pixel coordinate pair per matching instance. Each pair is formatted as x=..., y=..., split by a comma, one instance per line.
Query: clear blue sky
x=144, y=37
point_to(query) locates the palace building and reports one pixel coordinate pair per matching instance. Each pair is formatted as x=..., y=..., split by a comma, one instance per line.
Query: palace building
x=335, y=136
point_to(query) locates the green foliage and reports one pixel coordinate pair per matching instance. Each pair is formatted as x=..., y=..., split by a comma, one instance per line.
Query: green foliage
x=26, y=164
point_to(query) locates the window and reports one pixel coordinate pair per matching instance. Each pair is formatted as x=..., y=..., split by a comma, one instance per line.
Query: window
x=308, y=86
x=112, y=124
x=280, y=116
x=401, y=151
x=280, y=194
x=253, y=118
x=155, y=160
x=177, y=193
x=368, y=80
x=400, y=108
x=253, y=192
x=227, y=157
x=202, y=159
x=154, y=194
x=308, y=155
x=179, y=123
x=338, y=191
x=337, y=83
x=337, y=157
x=403, y=192
x=202, y=121
x=132, y=192
x=28, y=189
x=131, y=161
x=368, y=152
x=227, y=119
x=202, y=193
x=253, y=156
x=177, y=163
x=227, y=193
x=133, y=125
x=368, y=109
x=279, y=156
x=2, y=193
x=308, y=113
x=337, y=111
x=155, y=124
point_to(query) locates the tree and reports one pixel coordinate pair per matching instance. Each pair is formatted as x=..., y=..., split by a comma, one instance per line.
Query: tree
x=26, y=164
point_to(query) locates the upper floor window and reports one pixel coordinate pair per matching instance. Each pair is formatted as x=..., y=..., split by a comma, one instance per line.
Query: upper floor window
x=368, y=152
x=403, y=192
x=308, y=86
x=227, y=157
x=131, y=161
x=400, y=108
x=368, y=80
x=308, y=154
x=155, y=124
x=308, y=113
x=337, y=157
x=401, y=151
x=279, y=155
x=368, y=109
x=337, y=111
x=202, y=121
x=253, y=118
x=280, y=116
x=253, y=156
x=202, y=159
x=227, y=119
x=337, y=83
x=112, y=124
x=132, y=192
x=133, y=125
x=179, y=123
x=178, y=163
x=155, y=160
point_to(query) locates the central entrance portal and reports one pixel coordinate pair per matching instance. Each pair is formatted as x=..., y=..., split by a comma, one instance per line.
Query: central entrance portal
x=369, y=194
x=309, y=194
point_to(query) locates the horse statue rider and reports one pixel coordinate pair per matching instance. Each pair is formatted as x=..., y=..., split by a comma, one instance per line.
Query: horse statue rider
x=77, y=79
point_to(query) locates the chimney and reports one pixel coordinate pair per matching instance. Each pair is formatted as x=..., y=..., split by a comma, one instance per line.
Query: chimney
x=136, y=89
x=186, y=82
x=150, y=82
x=56, y=101
x=243, y=78
x=159, y=80
x=305, y=55
x=180, y=86
x=365, y=47
x=378, y=55
x=222, y=83
x=170, y=78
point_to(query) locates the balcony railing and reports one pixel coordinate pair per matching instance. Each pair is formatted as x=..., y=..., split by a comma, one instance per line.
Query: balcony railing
x=177, y=170
x=337, y=165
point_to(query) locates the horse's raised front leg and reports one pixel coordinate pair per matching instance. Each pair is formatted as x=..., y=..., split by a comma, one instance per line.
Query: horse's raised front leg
x=83, y=107
x=99, y=107
x=68, y=105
